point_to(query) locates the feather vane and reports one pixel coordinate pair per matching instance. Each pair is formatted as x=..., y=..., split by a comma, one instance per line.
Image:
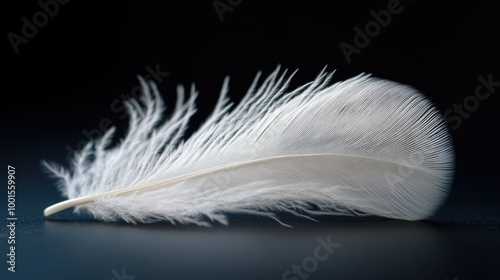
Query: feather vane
x=364, y=146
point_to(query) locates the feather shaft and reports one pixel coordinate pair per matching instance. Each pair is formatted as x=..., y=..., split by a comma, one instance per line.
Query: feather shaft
x=361, y=146
x=164, y=183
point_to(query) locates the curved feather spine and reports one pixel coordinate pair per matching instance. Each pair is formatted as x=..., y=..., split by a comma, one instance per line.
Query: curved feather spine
x=253, y=133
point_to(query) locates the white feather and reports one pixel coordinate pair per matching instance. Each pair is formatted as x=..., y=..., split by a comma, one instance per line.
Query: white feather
x=362, y=146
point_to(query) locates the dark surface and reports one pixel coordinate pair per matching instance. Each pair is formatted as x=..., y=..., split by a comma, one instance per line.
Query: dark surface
x=63, y=83
x=253, y=248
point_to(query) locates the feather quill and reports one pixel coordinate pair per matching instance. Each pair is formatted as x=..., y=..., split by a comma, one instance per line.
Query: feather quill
x=364, y=146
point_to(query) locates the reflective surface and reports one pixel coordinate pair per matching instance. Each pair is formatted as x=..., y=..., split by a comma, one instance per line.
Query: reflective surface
x=257, y=248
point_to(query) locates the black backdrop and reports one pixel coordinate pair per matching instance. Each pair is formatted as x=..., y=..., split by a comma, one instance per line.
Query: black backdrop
x=64, y=81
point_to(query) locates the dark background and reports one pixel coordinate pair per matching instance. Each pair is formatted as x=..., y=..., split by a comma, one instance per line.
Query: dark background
x=75, y=71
